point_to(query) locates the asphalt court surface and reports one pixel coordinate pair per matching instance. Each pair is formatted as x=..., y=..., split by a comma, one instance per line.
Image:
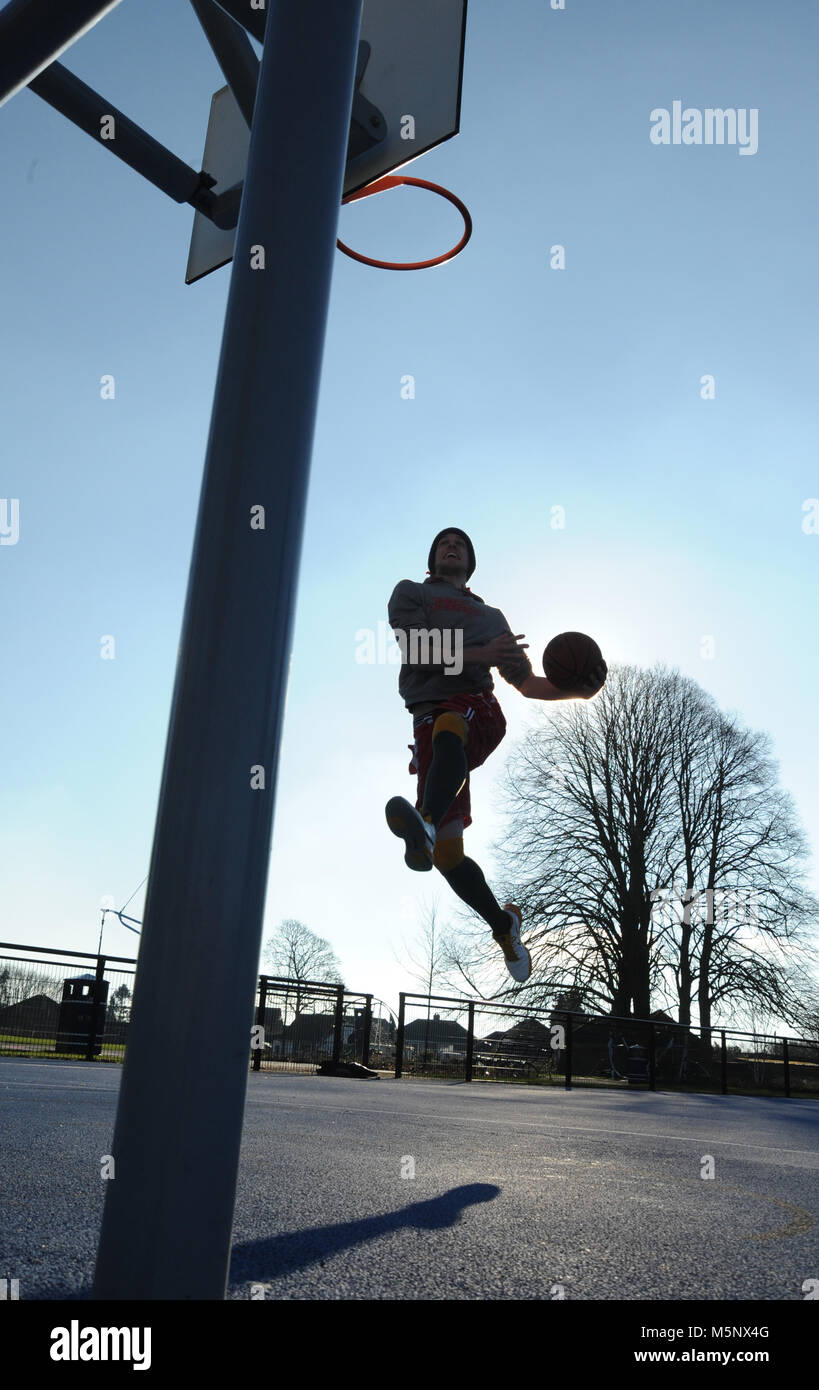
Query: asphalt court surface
x=412, y=1190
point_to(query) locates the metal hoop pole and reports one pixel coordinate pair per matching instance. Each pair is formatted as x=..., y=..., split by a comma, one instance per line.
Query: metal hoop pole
x=167, y=1222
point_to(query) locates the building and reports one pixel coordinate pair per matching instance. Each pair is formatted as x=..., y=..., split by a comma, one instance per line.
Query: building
x=434, y=1036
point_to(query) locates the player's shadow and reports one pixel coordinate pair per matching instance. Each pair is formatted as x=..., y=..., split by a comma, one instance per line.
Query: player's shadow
x=279, y=1255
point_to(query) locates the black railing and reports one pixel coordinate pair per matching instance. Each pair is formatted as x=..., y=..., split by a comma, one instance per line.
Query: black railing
x=307, y=1022
x=474, y=1040
x=51, y=1007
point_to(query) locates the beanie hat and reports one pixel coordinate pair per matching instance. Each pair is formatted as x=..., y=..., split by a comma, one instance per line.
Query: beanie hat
x=470, y=550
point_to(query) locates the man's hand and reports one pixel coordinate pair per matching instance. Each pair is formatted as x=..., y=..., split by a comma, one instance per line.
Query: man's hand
x=593, y=683
x=503, y=649
x=539, y=688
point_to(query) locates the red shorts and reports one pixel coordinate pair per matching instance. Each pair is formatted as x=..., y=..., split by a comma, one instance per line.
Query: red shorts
x=487, y=726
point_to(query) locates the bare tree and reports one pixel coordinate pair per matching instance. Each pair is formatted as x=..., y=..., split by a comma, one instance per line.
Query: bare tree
x=690, y=714
x=455, y=959
x=473, y=964
x=429, y=955
x=758, y=852
x=809, y=1022
x=18, y=983
x=743, y=939
x=296, y=953
x=445, y=958
x=651, y=789
x=427, y=962
x=588, y=824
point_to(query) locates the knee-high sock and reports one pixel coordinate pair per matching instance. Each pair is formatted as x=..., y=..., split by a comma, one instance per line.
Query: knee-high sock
x=446, y=776
x=467, y=880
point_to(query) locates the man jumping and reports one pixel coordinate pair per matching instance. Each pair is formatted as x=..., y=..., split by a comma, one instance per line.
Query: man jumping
x=457, y=722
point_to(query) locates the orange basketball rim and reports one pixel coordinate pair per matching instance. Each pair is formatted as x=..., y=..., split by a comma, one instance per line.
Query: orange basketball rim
x=392, y=181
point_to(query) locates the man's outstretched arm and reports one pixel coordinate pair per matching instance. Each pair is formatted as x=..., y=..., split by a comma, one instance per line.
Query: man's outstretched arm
x=539, y=688
x=502, y=650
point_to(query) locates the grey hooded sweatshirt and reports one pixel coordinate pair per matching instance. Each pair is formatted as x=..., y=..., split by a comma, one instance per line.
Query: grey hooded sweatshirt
x=436, y=605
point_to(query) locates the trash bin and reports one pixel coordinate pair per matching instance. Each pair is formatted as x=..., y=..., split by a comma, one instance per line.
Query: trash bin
x=637, y=1066
x=80, y=1020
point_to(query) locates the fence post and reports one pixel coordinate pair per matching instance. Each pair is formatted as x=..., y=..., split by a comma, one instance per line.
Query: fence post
x=338, y=1024
x=260, y=1017
x=399, y=1036
x=568, y=1051
x=651, y=1052
x=786, y=1061
x=470, y=1042
x=724, y=1064
x=368, y=1024
x=95, y=1011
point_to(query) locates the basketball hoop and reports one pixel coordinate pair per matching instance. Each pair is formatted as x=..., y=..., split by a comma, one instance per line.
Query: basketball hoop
x=392, y=181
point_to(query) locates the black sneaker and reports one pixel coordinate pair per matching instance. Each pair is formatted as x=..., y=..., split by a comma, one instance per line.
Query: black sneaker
x=418, y=835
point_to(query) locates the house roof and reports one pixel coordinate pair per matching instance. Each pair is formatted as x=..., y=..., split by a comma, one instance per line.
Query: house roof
x=319, y=1025
x=529, y=1029
x=36, y=1003
x=309, y=1026
x=439, y=1029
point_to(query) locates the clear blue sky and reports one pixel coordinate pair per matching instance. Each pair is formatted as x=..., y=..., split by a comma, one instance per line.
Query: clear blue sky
x=535, y=388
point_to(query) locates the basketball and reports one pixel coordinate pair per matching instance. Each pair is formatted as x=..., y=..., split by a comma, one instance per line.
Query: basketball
x=569, y=659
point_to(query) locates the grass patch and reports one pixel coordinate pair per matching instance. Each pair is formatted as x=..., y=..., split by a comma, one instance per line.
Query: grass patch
x=37, y=1046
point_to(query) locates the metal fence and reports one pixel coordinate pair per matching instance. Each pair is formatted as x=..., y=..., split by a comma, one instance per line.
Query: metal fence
x=77, y=1004
x=74, y=1004
x=300, y=1024
x=476, y=1040
x=64, y=1003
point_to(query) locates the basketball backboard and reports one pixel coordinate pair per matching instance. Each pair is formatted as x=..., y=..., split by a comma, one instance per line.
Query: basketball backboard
x=407, y=100
x=225, y=159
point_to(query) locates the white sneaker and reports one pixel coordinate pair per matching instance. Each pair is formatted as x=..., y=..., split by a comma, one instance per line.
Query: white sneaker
x=418, y=835
x=518, y=960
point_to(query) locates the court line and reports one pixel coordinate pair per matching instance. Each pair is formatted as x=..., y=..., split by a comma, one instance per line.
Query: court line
x=50, y=1086
x=540, y=1124
x=468, y=1120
